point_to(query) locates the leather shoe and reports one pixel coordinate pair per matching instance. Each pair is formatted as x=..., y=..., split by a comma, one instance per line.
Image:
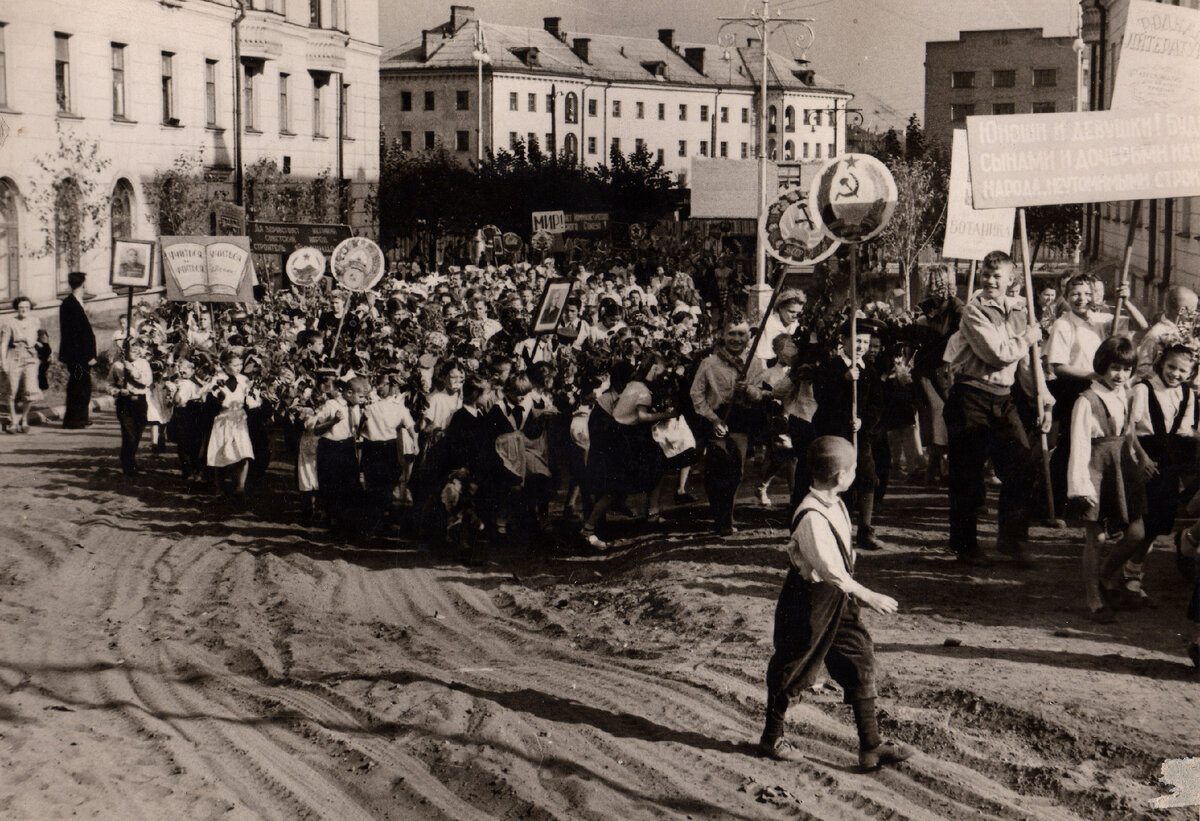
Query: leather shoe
x=778, y=749
x=889, y=752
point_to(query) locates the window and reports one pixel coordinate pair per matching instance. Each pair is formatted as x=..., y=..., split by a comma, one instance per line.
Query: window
x=344, y=111
x=816, y=117
x=658, y=156
x=960, y=111
x=745, y=151
x=210, y=93
x=62, y=71
x=1045, y=77
x=429, y=101
x=549, y=143
x=683, y=112
x=771, y=151
x=118, y=81
x=121, y=210
x=683, y=148
x=772, y=115
x=462, y=100
x=724, y=149
x=1004, y=108
x=640, y=110
x=1043, y=108
x=962, y=79
x=745, y=115
x=3, y=104
x=616, y=108
x=662, y=111
x=533, y=102
x=724, y=114
x=531, y=141
x=314, y=13
x=592, y=108
x=513, y=140
x=789, y=119
x=549, y=103
x=406, y=141
x=10, y=247
x=704, y=148
x=249, y=101
x=616, y=145
x=832, y=151
x=817, y=151
x=514, y=101
x=335, y=15
x=430, y=141
x=406, y=101
x=318, y=108
x=68, y=227
x=1004, y=78
x=571, y=115
x=703, y=113
x=591, y=145
x=789, y=151
x=638, y=145
x=571, y=148
x=462, y=141
x=285, y=111
x=168, y=89
x=804, y=150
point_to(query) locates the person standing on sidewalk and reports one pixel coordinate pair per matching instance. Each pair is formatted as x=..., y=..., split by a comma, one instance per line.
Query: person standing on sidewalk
x=76, y=350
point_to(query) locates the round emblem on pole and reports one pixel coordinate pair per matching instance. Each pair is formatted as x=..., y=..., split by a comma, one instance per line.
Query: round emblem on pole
x=854, y=195
x=511, y=242
x=305, y=266
x=792, y=232
x=542, y=240
x=357, y=264
x=490, y=234
x=637, y=231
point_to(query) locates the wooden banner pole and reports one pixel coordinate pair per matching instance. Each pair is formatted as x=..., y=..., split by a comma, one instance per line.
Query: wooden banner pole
x=128, y=322
x=1038, y=374
x=345, y=312
x=1133, y=226
x=853, y=343
x=762, y=326
x=971, y=280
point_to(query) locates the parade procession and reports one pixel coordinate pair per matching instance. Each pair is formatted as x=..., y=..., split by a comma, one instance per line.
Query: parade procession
x=411, y=417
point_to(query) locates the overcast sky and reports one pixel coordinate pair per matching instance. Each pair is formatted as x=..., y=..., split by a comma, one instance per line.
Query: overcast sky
x=872, y=46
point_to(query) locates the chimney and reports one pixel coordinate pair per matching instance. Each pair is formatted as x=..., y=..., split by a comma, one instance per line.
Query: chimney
x=425, y=44
x=580, y=47
x=667, y=37
x=460, y=16
x=550, y=24
x=695, y=58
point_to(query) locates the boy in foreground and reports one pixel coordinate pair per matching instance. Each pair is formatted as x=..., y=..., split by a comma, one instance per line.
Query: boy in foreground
x=817, y=617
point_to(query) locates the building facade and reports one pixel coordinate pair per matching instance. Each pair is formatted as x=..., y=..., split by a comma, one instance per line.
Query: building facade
x=135, y=85
x=1166, y=239
x=1003, y=71
x=587, y=95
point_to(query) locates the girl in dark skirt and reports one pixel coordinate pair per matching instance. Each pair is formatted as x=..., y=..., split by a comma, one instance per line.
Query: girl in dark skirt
x=186, y=427
x=641, y=456
x=1107, y=469
x=604, y=472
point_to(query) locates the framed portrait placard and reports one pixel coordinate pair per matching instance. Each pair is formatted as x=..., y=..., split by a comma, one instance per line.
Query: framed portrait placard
x=550, y=307
x=132, y=263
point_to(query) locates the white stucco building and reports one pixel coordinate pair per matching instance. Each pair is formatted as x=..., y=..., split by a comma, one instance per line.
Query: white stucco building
x=587, y=94
x=145, y=82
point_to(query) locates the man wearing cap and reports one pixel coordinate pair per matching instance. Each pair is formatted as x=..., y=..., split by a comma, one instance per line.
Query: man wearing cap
x=76, y=350
x=723, y=398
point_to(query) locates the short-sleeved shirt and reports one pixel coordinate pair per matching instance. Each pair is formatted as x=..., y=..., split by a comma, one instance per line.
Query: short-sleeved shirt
x=1074, y=340
x=636, y=395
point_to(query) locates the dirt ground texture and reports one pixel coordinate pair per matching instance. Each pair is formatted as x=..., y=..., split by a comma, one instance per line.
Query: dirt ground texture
x=163, y=655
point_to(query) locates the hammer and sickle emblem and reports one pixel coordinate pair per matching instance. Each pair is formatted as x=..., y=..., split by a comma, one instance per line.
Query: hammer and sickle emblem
x=850, y=185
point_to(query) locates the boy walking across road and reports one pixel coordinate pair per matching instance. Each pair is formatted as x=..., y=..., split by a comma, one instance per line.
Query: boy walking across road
x=817, y=619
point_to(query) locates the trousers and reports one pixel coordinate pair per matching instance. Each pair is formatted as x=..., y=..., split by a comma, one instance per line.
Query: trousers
x=131, y=413
x=79, y=395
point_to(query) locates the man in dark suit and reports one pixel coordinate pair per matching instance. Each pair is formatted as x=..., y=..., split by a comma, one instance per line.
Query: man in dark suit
x=76, y=350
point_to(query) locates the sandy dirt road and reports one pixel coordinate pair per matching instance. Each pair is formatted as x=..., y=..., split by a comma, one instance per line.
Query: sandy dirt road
x=165, y=656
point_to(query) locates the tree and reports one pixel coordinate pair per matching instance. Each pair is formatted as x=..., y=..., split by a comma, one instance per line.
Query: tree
x=919, y=218
x=70, y=197
x=1053, y=226
x=178, y=197
x=272, y=196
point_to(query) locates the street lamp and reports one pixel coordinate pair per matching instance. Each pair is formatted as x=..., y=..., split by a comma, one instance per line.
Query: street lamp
x=481, y=56
x=762, y=23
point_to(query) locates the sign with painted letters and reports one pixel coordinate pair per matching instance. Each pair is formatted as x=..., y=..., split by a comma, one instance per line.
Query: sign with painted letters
x=1159, y=65
x=1090, y=156
x=971, y=233
x=552, y=222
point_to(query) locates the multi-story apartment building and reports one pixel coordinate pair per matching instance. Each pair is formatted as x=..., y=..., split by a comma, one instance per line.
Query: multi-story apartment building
x=145, y=82
x=1002, y=71
x=1166, y=246
x=586, y=95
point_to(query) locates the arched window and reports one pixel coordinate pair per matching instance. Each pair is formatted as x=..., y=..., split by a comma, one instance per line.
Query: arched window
x=789, y=119
x=770, y=149
x=121, y=210
x=572, y=113
x=571, y=148
x=68, y=230
x=772, y=114
x=10, y=248
x=789, y=150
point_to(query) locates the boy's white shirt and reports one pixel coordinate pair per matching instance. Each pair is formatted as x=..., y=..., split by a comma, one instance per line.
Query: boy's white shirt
x=813, y=548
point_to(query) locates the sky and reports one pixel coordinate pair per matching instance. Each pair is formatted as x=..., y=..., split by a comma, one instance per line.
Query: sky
x=872, y=47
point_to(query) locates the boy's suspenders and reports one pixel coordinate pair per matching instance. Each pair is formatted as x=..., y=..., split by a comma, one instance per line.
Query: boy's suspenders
x=847, y=555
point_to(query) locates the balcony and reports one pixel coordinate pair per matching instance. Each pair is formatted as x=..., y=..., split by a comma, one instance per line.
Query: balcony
x=326, y=50
x=261, y=35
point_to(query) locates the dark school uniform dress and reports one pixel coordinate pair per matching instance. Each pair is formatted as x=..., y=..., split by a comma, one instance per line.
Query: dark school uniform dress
x=338, y=484
x=816, y=622
x=1171, y=452
x=1109, y=471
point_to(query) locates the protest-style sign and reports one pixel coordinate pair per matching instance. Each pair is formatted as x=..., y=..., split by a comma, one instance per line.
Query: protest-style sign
x=357, y=264
x=1159, y=65
x=285, y=237
x=1089, y=156
x=552, y=222
x=854, y=195
x=132, y=263
x=208, y=269
x=792, y=232
x=589, y=223
x=971, y=233
x=305, y=266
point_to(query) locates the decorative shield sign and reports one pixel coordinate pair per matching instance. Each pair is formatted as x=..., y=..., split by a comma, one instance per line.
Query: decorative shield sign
x=511, y=242
x=305, y=266
x=542, y=240
x=357, y=264
x=792, y=232
x=637, y=231
x=854, y=195
x=490, y=234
